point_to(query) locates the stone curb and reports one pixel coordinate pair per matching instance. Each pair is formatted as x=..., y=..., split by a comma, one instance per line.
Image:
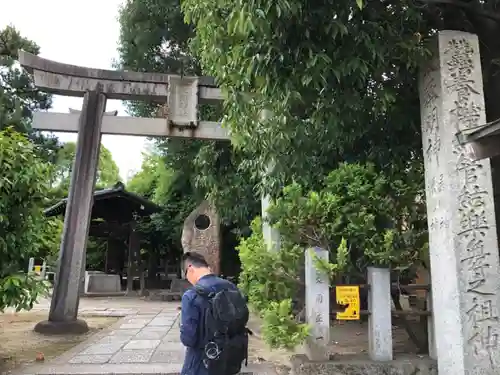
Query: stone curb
x=134, y=369
x=108, y=294
x=349, y=365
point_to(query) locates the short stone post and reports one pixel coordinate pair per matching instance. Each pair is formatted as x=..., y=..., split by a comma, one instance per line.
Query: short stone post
x=31, y=264
x=271, y=235
x=380, y=319
x=44, y=270
x=317, y=305
x=463, y=243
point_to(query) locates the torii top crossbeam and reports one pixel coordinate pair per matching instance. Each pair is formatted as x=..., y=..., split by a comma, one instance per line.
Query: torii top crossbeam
x=72, y=80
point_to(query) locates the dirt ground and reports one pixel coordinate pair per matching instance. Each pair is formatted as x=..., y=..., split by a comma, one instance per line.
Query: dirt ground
x=19, y=344
x=351, y=338
x=348, y=339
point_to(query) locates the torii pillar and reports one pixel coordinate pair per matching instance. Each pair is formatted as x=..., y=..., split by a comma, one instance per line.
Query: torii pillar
x=65, y=298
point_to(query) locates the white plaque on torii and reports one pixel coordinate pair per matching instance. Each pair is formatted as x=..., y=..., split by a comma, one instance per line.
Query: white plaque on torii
x=182, y=101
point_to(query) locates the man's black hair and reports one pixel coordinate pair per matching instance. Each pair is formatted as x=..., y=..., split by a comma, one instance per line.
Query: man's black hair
x=195, y=259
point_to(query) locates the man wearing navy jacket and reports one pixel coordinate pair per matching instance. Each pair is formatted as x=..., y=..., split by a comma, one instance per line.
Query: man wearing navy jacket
x=198, y=273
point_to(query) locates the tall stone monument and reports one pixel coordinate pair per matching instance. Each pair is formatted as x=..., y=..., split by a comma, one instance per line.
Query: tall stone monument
x=461, y=218
x=201, y=233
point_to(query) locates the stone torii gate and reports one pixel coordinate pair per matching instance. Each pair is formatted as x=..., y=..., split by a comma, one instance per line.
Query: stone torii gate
x=181, y=94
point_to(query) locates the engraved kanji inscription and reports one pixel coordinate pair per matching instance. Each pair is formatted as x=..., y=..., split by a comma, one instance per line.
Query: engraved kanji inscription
x=485, y=343
x=319, y=318
x=436, y=184
x=475, y=263
x=432, y=140
x=184, y=94
x=439, y=222
x=482, y=311
x=319, y=279
x=429, y=91
x=319, y=299
x=460, y=65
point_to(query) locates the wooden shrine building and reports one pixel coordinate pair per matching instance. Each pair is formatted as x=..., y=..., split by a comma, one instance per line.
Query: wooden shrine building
x=114, y=216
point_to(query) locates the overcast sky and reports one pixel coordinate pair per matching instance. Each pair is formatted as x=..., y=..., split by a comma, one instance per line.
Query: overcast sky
x=78, y=32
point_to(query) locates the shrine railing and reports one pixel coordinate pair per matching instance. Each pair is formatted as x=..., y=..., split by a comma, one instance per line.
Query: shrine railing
x=380, y=295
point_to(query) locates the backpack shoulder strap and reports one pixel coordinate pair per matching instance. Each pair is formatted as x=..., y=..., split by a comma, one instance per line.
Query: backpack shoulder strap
x=203, y=292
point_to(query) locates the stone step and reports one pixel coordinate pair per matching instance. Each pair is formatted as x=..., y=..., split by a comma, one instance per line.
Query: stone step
x=130, y=369
x=165, y=296
x=355, y=365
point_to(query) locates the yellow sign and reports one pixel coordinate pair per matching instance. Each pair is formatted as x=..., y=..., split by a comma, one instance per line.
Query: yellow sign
x=348, y=296
x=37, y=269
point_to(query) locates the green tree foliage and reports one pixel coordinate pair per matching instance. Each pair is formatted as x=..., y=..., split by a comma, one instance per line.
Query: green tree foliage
x=340, y=78
x=337, y=82
x=96, y=254
x=360, y=215
x=107, y=171
x=18, y=95
x=25, y=177
x=24, y=184
x=270, y=279
x=154, y=179
x=327, y=104
x=50, y=241
x=155, y=38
x=170, y=189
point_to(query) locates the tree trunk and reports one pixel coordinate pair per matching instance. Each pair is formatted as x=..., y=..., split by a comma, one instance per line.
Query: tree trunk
x=422, y=347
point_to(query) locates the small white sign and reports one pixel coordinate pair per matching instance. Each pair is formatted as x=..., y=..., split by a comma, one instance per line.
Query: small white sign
x=183, y=101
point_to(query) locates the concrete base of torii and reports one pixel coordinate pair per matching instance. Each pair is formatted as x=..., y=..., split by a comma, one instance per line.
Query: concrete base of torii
x=48, y=327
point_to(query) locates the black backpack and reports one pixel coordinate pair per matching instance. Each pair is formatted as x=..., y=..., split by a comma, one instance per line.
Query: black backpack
x=225, y=335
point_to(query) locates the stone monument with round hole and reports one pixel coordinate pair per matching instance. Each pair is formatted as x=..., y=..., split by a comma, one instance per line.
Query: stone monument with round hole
x=201, y=233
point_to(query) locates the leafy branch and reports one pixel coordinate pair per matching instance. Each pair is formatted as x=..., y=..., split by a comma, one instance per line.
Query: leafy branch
x=473, y=7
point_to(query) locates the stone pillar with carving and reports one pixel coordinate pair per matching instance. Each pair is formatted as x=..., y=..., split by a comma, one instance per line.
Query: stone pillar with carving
x=461, y=218
x=317, y=305
x=201, y=233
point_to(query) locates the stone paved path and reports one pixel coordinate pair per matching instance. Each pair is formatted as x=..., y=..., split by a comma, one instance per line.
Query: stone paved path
x=109, y=306
x=145, y=341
